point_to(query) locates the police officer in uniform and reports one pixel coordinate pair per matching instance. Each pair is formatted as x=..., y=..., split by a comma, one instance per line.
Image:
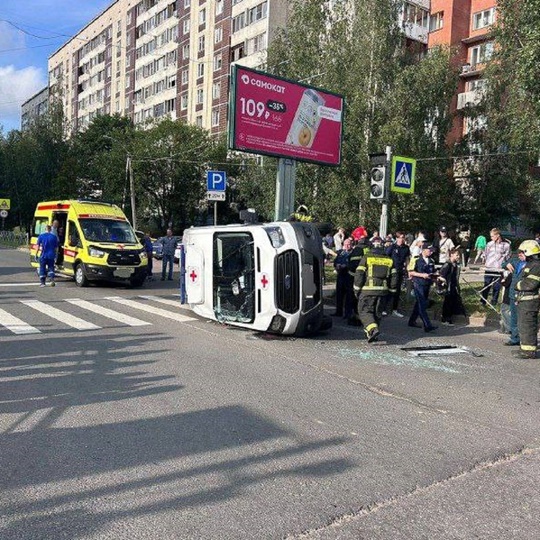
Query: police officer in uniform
x=374, y=279
x=528, y=299
x=422, y=272
x=359, y=250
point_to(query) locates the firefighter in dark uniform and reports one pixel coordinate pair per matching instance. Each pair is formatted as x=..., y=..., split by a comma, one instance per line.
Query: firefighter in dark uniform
x=359, y=250
x=528, y=299
x=374, y=279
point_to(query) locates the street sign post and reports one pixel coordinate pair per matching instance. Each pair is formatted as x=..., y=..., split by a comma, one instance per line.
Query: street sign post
x=216, y=184
x=5, y=204
x=403, y=173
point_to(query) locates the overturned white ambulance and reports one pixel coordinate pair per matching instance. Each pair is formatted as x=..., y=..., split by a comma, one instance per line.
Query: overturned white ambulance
x=266, y=277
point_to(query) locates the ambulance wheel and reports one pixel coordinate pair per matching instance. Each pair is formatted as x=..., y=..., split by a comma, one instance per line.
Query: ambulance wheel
x=80, y=279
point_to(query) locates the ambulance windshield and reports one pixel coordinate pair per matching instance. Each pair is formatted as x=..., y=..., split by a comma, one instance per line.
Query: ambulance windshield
x=108, y=231
x=234, y=277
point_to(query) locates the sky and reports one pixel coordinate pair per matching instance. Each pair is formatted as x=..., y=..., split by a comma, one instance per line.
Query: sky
x=30, y=31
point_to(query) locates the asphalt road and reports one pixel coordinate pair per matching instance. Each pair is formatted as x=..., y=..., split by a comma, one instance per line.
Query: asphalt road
x=138, y=420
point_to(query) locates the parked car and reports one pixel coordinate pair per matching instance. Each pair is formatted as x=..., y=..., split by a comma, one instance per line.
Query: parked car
x=157, y=249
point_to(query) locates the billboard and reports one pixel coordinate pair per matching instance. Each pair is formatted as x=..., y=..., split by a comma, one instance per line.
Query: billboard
x=277, y=117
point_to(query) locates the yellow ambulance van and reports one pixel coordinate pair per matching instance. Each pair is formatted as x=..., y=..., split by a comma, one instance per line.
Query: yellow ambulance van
x=96, y=242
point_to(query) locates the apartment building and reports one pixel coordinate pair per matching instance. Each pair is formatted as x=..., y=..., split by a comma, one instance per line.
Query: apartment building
x=34, y=107
x=156, y=58
x=466, y=26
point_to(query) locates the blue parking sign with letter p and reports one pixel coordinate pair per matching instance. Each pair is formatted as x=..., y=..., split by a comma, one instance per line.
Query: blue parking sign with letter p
x=216, y=180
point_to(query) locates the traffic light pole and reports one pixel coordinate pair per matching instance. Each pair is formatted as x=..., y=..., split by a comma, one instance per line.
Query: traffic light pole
x=383, y=225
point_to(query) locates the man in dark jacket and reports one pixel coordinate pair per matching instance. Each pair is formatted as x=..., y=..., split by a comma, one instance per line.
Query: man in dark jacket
x=400, y=254
x=375, y=277
x=344, y=282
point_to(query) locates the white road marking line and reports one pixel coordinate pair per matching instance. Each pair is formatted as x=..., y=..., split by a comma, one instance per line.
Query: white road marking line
x=16, y=325
x=109, y=313
x=150, y=309
x=59, y=315
x=33, y=284
x=168, y=301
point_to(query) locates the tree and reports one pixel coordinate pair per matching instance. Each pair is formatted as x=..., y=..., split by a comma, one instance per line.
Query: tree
x=356, y=49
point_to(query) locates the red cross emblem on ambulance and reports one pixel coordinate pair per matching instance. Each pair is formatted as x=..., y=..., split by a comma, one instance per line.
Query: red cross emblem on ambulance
x=264, y=281
x=193, y=275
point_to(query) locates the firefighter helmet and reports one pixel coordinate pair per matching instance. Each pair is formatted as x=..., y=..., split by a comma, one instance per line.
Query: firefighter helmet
x=529, y=247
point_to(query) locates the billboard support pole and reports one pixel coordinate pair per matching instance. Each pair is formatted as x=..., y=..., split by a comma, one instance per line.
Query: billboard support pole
x=383, y=225
x=285, y=189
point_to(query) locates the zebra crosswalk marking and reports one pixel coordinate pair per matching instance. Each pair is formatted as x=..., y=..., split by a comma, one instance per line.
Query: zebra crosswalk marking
x=60, y=315
x=150, y=309
x=109, y=313
x=15, y=325
x=168, y=301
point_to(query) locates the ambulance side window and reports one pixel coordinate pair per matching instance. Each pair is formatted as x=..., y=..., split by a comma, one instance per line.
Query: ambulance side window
x=39, y=226
x=74, y=237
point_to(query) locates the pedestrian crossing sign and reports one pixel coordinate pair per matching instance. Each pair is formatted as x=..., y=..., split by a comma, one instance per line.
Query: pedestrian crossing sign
x=403, y=172
x=5, y=204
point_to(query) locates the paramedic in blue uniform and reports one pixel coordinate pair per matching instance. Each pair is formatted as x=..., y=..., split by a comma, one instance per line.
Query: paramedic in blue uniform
x=47, y=243
x=422, y=272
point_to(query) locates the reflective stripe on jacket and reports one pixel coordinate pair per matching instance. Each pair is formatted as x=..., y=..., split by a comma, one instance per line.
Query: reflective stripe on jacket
x=375, y=274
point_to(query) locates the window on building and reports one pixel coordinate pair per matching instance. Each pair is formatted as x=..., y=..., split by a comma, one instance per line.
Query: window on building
x=200, y=69
x=201, y=44
x=200, y=96
x=187, y=3
x=198, y=121
x=436, y=21
x=219, y=7
x=483, y=18
x=218, y=62
x=258, y=12
x=215, y=117
x=256, y=44
x=185, y=52
x=481, y=53
x=218, y=34
x=185, y=26
x=202, y=16
x=183, y=102
x=216, y=90
x=185, y=76
x=238, y=22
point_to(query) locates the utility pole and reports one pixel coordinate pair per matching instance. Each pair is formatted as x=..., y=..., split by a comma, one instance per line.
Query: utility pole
x=129, y=168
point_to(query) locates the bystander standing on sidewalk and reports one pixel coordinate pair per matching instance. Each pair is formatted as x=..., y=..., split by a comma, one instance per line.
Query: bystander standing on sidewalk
x=497, y=253
x=480, y=248
x=169, y=246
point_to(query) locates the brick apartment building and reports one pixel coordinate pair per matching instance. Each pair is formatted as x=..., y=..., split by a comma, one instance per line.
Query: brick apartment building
x=156, y=58
x=465, y=25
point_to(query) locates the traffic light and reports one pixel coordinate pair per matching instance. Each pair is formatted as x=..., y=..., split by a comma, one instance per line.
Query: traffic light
x=377, y=178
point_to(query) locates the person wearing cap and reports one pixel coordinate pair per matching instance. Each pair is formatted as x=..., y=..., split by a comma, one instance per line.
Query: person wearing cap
x=421, y=272
x=442, y=245
x=374, y=279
